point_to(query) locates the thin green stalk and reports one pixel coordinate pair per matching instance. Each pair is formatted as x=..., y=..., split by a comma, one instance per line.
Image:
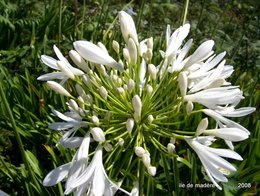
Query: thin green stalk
x=17, y=136
x=83, y=20
x=60, y=18
x=141, y=178
x=185, y=12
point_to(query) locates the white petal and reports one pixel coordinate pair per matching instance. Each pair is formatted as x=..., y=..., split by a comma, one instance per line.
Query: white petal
x=231, y=134
x=58, y=88
x=238, y=112
x=93, y=53
x=72, y=142
x=51, y=76
x=225, y=153
x=56, y=175
x=63, y=117
x=61, y=125
x=49, y=61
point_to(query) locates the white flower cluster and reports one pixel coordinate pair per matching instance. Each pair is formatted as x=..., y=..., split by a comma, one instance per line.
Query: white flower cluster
x=131, y=105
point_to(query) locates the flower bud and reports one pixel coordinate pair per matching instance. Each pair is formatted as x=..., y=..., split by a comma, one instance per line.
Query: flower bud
x=149, y=54
x=202, y=126
x=173, y=140
x=95, y=120
x=132, y=51
x=126, y=55
x=80, y=90
x=146, y=159
x=170, y=148
x=150, y=43
x=121, y=90
x=137, y=104
x=130, y=124
x=115, y=46
x=81, y=102
x=101, y=69
x=149, y=89
x=58, y=88
x=88, y=99
x=65, y=70
x=121, y=141
x=139, y=151
x=86, y=80
x=130, y=85
x=152, y=71
x=107, y=116
x=150, y=118
x=73, y=104
x=189, y=107
x=108, y=147
x=183, y=83
x=102, y=46
x=79, y=61
x=103, y=92
x=151, y=170
x=98, y=134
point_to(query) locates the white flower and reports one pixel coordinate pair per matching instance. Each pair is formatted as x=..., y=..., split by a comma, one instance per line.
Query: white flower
x=151, y=170
x=70, y=170
x=63, y=73
x=212, y=161
x=137, y=104
x=127, y=26
x=139, y=151
x=94, y=178
x=176, y=39
x=130, y=124
x=72, y=123
x=215, y=97
x=95, y=54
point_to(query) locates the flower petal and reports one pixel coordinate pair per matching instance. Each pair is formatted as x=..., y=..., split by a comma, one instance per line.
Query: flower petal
x=56, y=175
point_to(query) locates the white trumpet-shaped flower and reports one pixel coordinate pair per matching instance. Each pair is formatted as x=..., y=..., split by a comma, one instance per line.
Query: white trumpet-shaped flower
x=72, y=123
x=95, y=54
x=212, y=161
x=94, y=178
x=63, y=67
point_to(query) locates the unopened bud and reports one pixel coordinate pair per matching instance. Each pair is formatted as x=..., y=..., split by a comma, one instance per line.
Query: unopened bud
x=150, y=118
x=202, y=126
x=86, y=80
x=173, y=140
x=107, y=116
x=130, y=85
x=98, y=134
x=149, y=54
x=149, y=89
x=137, y=104
x=81, y=102
x=73, y=104
x=58, y=88
x=189, y=107
x=88, y=99
x=108, y=147
x=121, y=90
x=126, y=55
x=150, y=43
x=130, y=124
x=79, y=61
x=146, y=159
x=121, y=141
x=183, y=83
x=95, y=120
x=152, y=71
x=103, y=92
x=132, y=51
x=115, y=46
x=151, y=170
x=139, y=151
x=102, y=46
x=101, y=69
x=170, y=148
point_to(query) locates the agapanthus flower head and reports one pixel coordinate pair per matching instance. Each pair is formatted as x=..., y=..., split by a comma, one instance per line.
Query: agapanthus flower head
x=137, y=104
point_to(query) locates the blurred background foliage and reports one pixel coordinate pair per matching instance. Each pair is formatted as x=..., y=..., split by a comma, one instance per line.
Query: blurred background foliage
x=29, y=28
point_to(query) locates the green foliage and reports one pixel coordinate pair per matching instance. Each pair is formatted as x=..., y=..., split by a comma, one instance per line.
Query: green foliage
x=29, y=28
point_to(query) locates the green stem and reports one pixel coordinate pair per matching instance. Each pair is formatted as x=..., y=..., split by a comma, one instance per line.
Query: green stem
x=60, y=19
x=185, y=12
x=141, y=178
x=17, y=136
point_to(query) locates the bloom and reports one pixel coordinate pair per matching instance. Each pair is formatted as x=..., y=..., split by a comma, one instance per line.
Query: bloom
x=212, y=161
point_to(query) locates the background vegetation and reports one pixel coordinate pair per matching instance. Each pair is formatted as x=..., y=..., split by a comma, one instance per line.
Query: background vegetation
x=29, y=28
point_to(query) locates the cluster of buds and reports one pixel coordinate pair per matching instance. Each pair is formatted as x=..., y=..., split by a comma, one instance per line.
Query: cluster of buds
x=146, y=159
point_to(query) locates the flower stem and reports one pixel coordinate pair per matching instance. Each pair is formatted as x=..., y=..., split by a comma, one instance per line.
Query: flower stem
x=141, y=178
x=185, y=12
